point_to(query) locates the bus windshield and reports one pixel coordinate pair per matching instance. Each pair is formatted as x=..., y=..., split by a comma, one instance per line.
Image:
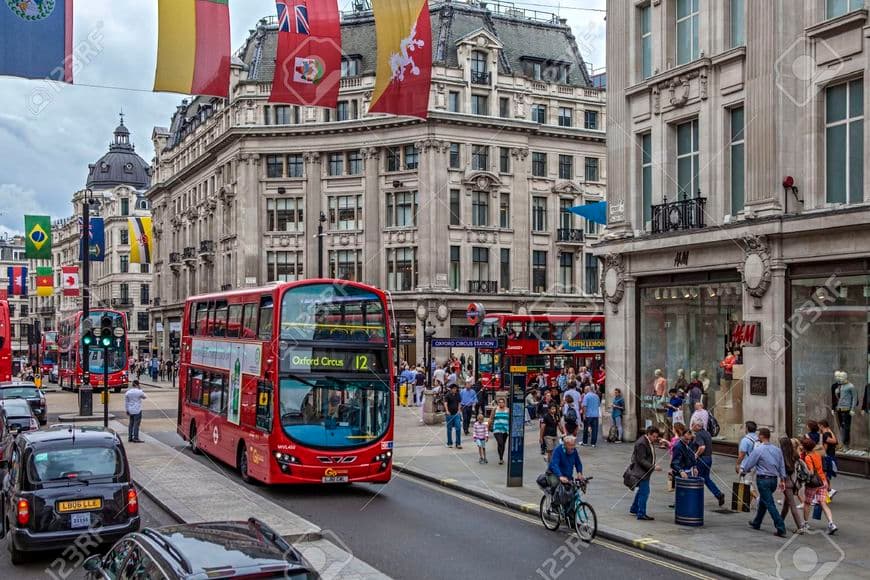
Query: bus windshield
x=332, y=312
x=334, y=413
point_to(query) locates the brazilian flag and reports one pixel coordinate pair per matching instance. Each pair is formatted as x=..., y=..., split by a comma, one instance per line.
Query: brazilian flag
x=37, y=243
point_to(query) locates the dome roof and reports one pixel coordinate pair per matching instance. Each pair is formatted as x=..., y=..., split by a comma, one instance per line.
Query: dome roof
x=120, y=166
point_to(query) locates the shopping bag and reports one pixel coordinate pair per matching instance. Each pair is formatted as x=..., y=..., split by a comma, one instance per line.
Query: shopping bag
x=741, y=496
x=817, y=511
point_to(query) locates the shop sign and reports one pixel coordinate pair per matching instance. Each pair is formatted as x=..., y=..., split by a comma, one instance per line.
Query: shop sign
x=758, y=386
x=475, y=313
x=681, y=258
x=746, y=333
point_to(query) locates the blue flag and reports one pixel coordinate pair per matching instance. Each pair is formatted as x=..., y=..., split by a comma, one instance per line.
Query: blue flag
x=98, y=239
x=594, y=212
x=36, y=39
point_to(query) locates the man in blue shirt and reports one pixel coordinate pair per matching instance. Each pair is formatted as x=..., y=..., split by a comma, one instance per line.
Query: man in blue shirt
x=591, y=408
x=467, y=402
x=561, y=380
x=769, y=466
x=565, y=460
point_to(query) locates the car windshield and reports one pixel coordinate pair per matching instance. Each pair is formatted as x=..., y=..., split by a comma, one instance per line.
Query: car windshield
x=19, y=392
x=331, y=412
x=17, y=408
x=74, y=463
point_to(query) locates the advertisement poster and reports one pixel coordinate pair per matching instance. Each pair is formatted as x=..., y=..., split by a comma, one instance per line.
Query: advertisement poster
x=235, y=403
x=221, y=354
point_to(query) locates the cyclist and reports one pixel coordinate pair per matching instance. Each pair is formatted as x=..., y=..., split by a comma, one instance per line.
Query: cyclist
x=565, y=460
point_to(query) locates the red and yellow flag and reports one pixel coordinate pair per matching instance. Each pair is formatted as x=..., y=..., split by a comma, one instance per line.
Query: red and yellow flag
x=44, y=281
x=193, y=47
x=404, y=72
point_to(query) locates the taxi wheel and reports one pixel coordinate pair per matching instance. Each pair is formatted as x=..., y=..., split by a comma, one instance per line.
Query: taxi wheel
x=16, y=556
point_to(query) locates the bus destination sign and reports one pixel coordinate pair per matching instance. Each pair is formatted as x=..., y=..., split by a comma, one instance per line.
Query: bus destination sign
x=318, y=360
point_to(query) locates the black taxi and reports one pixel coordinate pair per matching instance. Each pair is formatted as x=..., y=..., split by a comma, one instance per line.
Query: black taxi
x=64, y=482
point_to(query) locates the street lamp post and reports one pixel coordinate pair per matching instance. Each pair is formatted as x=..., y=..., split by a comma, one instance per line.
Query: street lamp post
x=86, y=408
x=320, y=222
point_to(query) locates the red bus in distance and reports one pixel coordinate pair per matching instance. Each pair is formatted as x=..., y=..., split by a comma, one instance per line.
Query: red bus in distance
x=543, y=342
x=70, y=352
x=5, y=342
x=290, y=383
x=49, y=352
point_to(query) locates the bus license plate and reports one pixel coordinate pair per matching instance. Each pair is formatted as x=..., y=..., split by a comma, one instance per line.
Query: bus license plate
x=334, y=479
x=80, y=520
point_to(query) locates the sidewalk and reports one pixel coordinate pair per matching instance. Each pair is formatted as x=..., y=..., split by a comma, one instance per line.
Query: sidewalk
x=192, y=492
x=147, y=381
x=725, y=544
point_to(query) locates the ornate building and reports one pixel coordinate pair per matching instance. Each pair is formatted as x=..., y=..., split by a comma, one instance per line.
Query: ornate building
x=116, y=183
x=469, y=204
x=739, y=208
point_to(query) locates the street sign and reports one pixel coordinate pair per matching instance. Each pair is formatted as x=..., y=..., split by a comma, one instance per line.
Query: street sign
x=118, y=332
x=475, y=313
x=517, y=430
x=465, y=343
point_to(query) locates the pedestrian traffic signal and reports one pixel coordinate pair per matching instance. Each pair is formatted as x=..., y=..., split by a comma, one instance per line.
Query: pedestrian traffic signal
x=106, y=331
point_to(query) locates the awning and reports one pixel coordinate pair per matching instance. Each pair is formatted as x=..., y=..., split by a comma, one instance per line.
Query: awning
x=594, y=212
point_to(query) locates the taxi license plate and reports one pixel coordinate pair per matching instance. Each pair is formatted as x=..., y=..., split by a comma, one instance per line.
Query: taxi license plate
x=79, y=505
x=82, y=520
x=334, y=479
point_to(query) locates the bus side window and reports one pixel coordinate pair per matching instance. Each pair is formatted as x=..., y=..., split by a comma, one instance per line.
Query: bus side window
x=249, y=325
x=194, y=388
x=201, y=318
x=219, y=325
x=264, y=405
x=265, y=329
x=234, y=322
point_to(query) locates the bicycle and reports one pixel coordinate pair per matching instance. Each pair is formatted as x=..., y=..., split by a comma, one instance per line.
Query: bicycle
x=579, y=515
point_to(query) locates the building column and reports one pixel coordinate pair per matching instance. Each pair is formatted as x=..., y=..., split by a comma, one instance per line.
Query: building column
x=313, y=207
x=373, y=218
x=432, y=261
x=620, y=14
x=521, y=223
x=247, y=207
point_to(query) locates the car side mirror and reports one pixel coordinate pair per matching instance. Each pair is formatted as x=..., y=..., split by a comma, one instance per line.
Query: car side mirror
x=92, y=564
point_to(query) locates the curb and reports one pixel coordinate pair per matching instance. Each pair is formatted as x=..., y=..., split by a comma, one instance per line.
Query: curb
x=160, y=503
x=155, y=385
x=693, y=559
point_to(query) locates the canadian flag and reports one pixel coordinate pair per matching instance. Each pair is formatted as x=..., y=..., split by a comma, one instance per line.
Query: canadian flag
x=70, y=280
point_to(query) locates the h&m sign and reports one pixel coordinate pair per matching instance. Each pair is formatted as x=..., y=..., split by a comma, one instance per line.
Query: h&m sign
x=746, y=333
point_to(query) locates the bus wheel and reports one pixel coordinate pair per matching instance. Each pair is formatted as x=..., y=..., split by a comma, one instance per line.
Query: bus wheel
x=194, y=448
x=242, y=462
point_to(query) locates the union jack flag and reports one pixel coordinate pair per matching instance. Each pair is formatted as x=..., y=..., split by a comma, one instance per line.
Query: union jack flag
x=298, y=23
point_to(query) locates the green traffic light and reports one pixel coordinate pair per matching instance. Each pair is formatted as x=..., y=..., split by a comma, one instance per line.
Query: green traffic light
x=106, y=341
x=88, y=339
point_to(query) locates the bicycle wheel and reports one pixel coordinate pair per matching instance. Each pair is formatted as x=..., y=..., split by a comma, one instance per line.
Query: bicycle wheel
x=549, y=518
x=585, y=522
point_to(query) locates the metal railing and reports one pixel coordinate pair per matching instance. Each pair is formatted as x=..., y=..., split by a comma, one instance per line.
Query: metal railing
x=174, y=257
x=483, y=286
x=684, y=214
x=206, y=247
x=569, y=235
x=189, y=253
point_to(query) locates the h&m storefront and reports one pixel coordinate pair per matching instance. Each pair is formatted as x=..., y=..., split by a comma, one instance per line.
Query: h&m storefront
x=762, y=322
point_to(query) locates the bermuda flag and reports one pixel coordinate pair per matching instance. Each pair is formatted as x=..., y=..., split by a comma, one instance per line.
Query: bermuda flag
x=17, y=280
x=404, y=71
x=308, y=63
x=36, y=38
x=70, y=280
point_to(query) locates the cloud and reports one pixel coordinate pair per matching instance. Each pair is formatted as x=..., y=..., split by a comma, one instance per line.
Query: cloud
x=15, y=202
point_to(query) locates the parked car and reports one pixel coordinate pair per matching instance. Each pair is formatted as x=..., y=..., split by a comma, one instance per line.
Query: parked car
x=29, y=391
x=19, y=416
x=7, y=438
x=203, y=551
x=64, y=481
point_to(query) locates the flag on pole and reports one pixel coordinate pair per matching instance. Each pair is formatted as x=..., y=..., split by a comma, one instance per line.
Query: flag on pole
x=17, y=280
x=44, y=281
x=97, y=239
x=70, y=279
x=37, y=243
x=193, y=47
x=308, y=63
x=404, y=70
x=141, y=242
x=36, y=39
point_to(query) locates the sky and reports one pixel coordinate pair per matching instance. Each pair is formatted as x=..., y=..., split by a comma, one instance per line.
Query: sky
x=50, y=132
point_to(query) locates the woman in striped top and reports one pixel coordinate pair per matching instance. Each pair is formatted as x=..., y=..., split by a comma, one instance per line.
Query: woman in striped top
x=480, y=432
x=499, y=423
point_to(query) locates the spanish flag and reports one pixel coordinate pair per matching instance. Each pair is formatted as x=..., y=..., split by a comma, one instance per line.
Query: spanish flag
x=404, y=71
x=141, y=241
x=193, y=47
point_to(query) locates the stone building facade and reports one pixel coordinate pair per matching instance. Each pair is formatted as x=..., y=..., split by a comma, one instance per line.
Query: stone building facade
x=738, y=208
x=464, y=206
x=116, y=183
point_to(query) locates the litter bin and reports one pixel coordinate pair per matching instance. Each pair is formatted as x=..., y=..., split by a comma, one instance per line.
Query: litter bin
x=689, y=501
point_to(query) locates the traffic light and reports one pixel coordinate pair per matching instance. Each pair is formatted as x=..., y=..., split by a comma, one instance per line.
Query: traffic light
x=174, y=341
x=106, y=331
x=88, y=338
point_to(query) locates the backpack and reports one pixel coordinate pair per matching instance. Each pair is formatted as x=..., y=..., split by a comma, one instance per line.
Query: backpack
x=571, y=414
x=713, y=426
x=802, y=472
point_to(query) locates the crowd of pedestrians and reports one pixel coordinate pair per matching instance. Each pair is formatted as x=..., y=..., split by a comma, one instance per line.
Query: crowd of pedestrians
x=156, y=369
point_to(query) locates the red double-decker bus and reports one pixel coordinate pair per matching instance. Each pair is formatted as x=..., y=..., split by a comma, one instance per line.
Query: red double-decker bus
x=290, y=383
x=5, y=342
x=49, y=352
x=543, y=343
x=70, y=352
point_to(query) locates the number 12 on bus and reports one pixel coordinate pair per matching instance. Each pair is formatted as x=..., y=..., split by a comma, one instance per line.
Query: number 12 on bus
x=290, y=383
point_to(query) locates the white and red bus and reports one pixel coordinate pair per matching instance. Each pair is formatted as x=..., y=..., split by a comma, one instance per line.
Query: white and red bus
x=49, y=352
x=70, y=352
x=290, y=383
x=543, y=343
x=5, y=342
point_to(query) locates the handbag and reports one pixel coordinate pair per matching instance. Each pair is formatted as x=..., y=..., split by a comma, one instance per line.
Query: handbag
x=741, y=495
x=629, y=479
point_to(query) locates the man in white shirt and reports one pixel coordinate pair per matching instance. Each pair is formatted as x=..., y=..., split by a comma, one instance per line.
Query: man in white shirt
x=133, y=404
x=700, y=416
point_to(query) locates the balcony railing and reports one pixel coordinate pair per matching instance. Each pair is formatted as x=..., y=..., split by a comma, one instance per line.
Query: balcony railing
x=206, y=249
x=174, y=257
x=225, y=287
x=483, y=286
x=481, y=78
x=189, y=254
x=126, y=302
x=569, y=236
x=46, y=310
x=684, y=214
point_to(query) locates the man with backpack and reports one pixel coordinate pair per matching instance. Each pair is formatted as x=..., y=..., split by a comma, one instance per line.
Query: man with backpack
x=747, y=443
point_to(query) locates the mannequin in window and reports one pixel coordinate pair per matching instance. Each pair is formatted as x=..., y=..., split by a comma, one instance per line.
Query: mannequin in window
x=661, y=384
x=705, y=388
x=844, y=406
x=681, y=384
x=727, y=365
